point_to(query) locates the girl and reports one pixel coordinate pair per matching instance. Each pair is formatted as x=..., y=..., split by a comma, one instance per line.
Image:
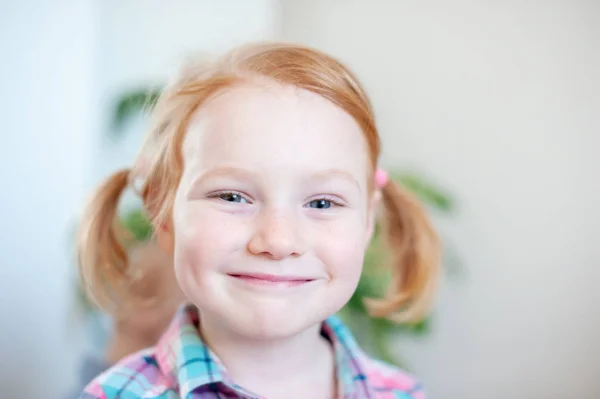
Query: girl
x=262, y=183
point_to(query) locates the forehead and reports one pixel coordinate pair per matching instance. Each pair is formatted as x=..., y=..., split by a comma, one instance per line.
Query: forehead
x=274, y=127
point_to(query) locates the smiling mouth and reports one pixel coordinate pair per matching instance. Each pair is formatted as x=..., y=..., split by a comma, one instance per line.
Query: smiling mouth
x=271, y=280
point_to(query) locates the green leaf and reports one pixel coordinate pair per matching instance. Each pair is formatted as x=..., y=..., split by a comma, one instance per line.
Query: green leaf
x=425, y=191
x=138, y=224
x=131, y=103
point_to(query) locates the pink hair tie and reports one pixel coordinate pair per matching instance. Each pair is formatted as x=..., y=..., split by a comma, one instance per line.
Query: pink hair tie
x=381, y=178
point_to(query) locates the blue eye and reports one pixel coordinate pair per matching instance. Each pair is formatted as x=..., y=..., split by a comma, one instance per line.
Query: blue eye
x=320, y=204
x=232, y=197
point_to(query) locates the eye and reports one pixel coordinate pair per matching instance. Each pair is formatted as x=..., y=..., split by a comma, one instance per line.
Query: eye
x=231, y=197
x=320, y=204
x=323, y=203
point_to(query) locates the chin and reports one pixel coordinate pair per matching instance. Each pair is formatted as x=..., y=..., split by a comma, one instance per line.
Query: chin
x=264, y=325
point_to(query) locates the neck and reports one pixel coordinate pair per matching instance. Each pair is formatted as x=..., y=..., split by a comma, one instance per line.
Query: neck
x=124, y=342
x=303, y=363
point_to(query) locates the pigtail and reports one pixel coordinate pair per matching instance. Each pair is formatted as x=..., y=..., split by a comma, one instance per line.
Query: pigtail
x=100, y=243
x=415, y=257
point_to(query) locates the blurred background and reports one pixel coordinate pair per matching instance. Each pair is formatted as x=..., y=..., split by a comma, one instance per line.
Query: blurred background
x=494, y=105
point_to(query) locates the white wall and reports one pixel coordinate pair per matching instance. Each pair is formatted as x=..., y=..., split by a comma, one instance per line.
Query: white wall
x=62, y=65
x=499, y=101
x=47, y=89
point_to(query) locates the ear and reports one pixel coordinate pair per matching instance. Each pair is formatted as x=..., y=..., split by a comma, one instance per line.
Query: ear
x=374, y=202
x=165, y=237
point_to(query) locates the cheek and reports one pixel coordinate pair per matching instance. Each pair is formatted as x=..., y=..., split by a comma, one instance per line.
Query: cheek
x=341, y=248
x=204, y=238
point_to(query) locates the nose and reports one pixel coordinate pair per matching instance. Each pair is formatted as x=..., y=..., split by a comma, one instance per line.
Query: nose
x=277, y=237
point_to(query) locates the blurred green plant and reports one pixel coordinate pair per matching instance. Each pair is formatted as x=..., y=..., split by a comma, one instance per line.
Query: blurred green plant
x=131, y=103
x=373, y=333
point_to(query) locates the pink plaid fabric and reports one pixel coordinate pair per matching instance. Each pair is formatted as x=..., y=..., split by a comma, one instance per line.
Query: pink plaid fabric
x=181, y=366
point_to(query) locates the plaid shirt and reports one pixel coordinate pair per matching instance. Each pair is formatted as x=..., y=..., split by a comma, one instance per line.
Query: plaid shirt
x=182, y=366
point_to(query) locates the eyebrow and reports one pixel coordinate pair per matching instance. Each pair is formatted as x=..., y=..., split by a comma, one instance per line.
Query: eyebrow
x=222, y=171
x=339, y=173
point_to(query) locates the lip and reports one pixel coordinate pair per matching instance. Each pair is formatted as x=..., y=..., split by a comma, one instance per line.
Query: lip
x=264, y=279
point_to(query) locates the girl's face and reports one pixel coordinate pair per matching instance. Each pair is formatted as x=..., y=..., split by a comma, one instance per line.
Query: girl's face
x=273, y=213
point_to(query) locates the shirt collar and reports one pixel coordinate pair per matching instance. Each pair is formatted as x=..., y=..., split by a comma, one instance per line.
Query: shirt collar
x=188, y=363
